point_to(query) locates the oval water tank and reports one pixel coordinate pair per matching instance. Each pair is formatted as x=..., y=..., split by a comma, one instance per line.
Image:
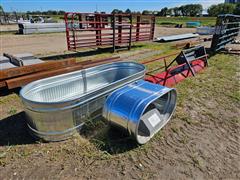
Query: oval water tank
x=58, y=106
x=141, y=108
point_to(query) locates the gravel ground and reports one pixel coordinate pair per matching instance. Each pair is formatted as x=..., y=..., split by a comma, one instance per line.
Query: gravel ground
x=55, y=43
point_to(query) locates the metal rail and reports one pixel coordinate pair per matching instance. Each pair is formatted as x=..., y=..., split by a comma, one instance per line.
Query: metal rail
x=95, y=30
x=187, y=63
x=227, y=28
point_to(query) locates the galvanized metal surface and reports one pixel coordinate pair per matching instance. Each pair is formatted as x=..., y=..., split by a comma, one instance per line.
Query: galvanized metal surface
x=23, y=59
x=30, y=28
x=41, y=25
x=141, y=108
x=57, y=107
x=205, y=30
x=177, y=37
x=226, y=30
x=28, y=59
x=5, y=63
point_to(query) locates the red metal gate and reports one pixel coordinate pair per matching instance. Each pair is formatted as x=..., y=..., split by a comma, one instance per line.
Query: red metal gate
x=95, y=30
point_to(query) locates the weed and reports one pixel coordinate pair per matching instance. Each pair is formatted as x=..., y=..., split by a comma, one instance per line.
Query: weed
x=197, y=162
x=12, y=111
x=184, y=140
x=175, y=129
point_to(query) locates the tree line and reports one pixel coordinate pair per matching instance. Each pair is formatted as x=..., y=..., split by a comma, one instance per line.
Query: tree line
x=49, y=12
x=190, y=10
x=224, y=8
x=184, y=10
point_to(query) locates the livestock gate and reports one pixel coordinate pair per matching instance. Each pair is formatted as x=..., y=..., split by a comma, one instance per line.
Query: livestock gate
x=227, y=28
x=96, y=30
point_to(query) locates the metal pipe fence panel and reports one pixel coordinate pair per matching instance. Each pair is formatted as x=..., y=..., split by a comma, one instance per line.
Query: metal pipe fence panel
x=227, y=28
x=95, y=30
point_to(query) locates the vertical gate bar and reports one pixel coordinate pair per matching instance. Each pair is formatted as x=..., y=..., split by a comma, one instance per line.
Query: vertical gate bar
x=76, y=30
x=165, y=64
x=80, y=21
x=67, y=30
x=130, y=33
x=138, y=27
x=113, y=27
x=73, y=31
x=119, y=29
x=75, y=25
x=100, y=31
x=96, y=26
x=152, y=27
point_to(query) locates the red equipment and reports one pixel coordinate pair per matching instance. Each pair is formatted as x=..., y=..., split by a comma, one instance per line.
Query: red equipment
x=188, y=62
x=95, y=30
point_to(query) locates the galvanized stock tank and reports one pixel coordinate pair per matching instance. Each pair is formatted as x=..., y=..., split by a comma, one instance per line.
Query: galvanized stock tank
x=141, y=108
x=58, y=106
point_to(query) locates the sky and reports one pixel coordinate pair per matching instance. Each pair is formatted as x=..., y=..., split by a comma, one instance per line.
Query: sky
x=99, y=5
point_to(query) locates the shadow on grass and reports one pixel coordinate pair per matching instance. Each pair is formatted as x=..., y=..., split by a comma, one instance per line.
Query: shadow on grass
x=13, y=131
x=5, y=91
x=108, y=138
x=84, y=53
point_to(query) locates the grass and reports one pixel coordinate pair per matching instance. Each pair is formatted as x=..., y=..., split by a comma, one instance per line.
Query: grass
x=205, y=21
x=12, y=111
x=101, y=143
x=8, y=32
x=165, y=48
x=221, y=66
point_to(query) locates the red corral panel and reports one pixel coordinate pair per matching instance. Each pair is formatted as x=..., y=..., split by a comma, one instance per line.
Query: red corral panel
x=107, y=29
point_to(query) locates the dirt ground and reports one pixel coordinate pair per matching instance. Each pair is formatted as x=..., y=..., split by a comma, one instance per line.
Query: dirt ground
x=11, y=27
x=38, y=44
x=166, y=31
x=55, y=43
x=201, y=141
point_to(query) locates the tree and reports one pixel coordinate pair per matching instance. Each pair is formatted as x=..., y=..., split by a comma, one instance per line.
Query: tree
x=1, y=8
x=223, y=8
x=170, y=12
x=195, y=9
x=177, y=11
x=163, y=11
x=191, y=10
x=136, y=12
x=117, y=11
x=146, y=12
x=128, y=11
x=237, y=9
x=61, y=12
x=182, y=10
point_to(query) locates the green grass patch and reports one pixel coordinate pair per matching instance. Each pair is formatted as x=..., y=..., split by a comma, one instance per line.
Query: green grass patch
x=205, y=21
